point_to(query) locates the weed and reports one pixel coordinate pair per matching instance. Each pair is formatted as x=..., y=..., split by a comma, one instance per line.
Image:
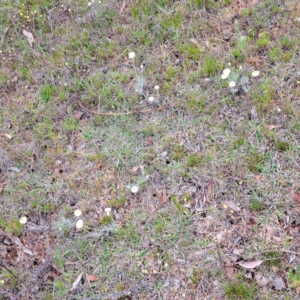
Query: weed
x=272, y=258
x=117, y=203
x=203, y=3
x=263, y=41
x=239, y=291
x=194, y=160
x=106, y=220
x=255, y=161
x=294, y=278
x=46, y=92
x=257, y=205
x=11, y=226
x=282, y=146
x=211, y=66
x=196, y=275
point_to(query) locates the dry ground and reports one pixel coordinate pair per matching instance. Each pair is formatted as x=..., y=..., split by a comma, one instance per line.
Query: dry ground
x=216, y=215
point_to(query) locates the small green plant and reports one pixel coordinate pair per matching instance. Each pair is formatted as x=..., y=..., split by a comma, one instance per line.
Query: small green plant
x=282, y=146
x=117, y=203
x=255, y=161
x=272, y=258
x=211, y=66
x=294, y=278
x=197, y=274
x=240, y=141
x=241, y=44
x=263, y=41
x=12, y=226
x=194, y=160
x=257, y=205
x=106, y=220
x=178, y=152
x=203, y=3
x=239, y=291
x=46, y=92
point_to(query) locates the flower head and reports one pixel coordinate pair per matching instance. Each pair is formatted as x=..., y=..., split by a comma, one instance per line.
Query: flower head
x=107, y=211
x=131, y=55
x=156, y=87
x=225, y=74
x=151, y=99
x=23, y=220
x=255, y=73
x=232, y=84
x=77, y=212
x=134, y=189
x=79, y=224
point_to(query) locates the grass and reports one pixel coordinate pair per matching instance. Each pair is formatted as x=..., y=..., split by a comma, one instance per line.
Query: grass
x=81, y=124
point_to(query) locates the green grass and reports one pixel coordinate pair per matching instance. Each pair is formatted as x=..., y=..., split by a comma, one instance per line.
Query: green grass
x=78, y=129
x=239, y=291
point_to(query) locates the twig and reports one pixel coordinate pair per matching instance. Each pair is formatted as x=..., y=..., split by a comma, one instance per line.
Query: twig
x=3, y=265
x=125, y=113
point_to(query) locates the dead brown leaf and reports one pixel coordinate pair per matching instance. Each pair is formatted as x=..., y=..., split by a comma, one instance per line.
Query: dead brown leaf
x=8, y=136
x=1, y=187
x=134, y=169
x=297, y=198
x=208, y=193
x=271, y=127
x=76, y=283
x=100, y=164
x=29, y=37
x=92, y=278
x=254, y=60
x=229, y=269
x=251, y=264
x=233, y=206
x=164, y=197
x=78, y=114
x=149, y=141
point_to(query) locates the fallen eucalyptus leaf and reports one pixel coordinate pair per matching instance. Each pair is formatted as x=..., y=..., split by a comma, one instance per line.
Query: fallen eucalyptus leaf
x=29, y=37
x=92, y=278
x=233, y=206
x=251, y=264
x=76, y=283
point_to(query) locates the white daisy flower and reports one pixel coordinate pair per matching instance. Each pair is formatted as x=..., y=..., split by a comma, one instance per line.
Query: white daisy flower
x=224, y=76
x=23, y=220
x=226, y=71
x=255, y=73
x=77, y=213
x=232, y=84
x=107, y=211
x=151, y=99
x=134, y=189
x=131, y=55
x=156, y=87
x=79, y=224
